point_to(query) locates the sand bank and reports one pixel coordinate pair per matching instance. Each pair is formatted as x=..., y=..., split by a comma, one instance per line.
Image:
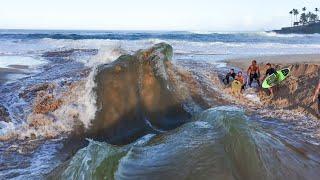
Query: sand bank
x=296, y=92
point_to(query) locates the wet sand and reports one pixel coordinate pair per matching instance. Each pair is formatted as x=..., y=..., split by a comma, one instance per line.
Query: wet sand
x=244, y=63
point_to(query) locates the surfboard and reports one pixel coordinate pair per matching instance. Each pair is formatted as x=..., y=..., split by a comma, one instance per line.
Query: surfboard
x=236, y=86
x=276, y=78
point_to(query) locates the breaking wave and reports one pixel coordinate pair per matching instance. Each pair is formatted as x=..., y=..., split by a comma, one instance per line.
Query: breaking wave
x=78, y=103
x=221, y=143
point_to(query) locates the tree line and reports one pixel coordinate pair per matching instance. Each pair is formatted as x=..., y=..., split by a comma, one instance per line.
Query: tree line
x=305, y=17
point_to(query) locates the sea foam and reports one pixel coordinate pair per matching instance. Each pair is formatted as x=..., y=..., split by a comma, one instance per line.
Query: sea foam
x=78, y=107
x=83, y=103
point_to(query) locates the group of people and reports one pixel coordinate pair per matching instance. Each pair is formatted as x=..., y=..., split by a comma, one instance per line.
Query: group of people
x=233, y=76
x=253, y=73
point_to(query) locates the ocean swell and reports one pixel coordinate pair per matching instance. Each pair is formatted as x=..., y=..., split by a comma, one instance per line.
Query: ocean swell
x=134, y=90
x=220, y=142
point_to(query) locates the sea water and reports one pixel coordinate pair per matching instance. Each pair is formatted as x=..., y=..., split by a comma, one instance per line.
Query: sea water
x=209, y=146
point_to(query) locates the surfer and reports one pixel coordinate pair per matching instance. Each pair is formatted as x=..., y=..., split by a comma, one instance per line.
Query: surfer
x=316, y=94
x=253, y=73
x=230, y=74
x=270, y=70
x=240, y=78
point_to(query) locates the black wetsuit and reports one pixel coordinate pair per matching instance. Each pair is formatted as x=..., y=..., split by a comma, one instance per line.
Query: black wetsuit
x=227, y=78
x=270, y=71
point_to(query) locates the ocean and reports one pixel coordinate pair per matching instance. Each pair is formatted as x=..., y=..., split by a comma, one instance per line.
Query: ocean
x=209, y=146
x=31, y=42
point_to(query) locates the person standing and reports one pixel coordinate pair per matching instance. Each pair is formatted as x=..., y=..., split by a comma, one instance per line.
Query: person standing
x=270, y=70
x=253, y=73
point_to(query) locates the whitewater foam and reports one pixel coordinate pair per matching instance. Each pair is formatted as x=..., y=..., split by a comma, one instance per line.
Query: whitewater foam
x=6, y=130
x=78, y=104
x=106, y=54
x=273, y=34
x=260, y=43
x=88, y=100
x=88, y=97
x=6, y=61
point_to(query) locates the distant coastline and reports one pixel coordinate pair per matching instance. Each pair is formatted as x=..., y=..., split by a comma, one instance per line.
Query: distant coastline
x=303, y=29
x=306, y=23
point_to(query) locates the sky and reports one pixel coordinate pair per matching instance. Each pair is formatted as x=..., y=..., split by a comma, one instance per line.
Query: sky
x=196, y=15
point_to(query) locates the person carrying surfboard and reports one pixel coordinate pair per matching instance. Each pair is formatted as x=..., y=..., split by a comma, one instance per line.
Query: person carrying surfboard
x=253, y=73
x=270, y=70
x=240, y=78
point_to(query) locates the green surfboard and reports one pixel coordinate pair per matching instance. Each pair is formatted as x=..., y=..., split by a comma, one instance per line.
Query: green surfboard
x=276, y=78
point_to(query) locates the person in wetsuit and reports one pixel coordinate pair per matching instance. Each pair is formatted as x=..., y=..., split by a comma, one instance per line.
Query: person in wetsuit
x=253, y=73
x=231, y=74
x=270, y=70
x=317, y=95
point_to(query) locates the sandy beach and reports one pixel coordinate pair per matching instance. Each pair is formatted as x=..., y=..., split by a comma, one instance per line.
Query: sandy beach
x=244, y=63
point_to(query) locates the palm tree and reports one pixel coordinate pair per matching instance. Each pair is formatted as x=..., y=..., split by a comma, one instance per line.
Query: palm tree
x=296, y=13
x=310, y=16
x=316, y=10
x=291, y=12
x=304, y=9
x=304, y=18
x=313, y=17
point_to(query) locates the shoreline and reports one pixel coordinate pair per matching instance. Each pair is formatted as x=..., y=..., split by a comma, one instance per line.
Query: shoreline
x=244, y=63
x=194, y=87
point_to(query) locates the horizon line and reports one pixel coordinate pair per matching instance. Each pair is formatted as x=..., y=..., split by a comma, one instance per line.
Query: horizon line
x=138, y=30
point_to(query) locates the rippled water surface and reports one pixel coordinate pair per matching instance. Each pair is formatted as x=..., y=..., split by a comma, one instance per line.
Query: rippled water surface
x=220, y=143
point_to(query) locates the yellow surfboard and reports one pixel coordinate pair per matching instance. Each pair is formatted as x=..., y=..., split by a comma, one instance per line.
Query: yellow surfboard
x=236, y=86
